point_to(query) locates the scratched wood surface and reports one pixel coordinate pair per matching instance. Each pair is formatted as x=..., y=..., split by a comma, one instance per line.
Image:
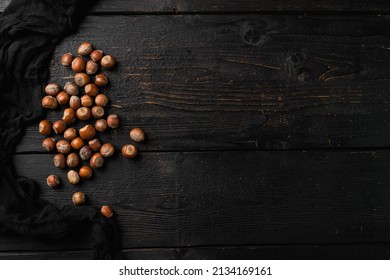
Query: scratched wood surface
x=267, y=134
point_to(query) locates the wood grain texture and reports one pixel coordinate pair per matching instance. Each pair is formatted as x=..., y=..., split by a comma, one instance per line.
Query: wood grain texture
x=236, y=6
x=289, y=252
x=242, y=82
x=230, y=198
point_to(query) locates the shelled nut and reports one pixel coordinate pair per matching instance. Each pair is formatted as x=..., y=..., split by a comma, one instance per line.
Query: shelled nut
x=49, y=102
x=81, y=79
x=73, y=177
x=70, y=134
x=83, y=113
x=85, y=172
x=78, y=198
x=91, y=90
x=69, y=116
x=129, y=151
x=106, y=211
x=74, y=102
x=85, y=152
x=71, y=88
x=95, y=144
x=101, y=125
x=98, y=112
x=91, y=67
x=77, y=143
x=66, y=59
x=107, y=150
x=52, y=89
x=96, y=55
x=78, y=65
x=63, y=146
x=137, y=134
x=63, y=98
x=113, y=121
x=59, y=127
x=86, y=101
x=85, y=48
x=108, y=62
x=53, y=181
x=45, y=127
x=49, y=144
x=101, y=80
x=101, y=100
x=59, y=161
x=87, y=132
x=72, y=160
x=96, y=161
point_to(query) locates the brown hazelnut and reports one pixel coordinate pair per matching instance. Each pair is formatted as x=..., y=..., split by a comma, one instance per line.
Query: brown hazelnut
x=85, y=172
x=95, y=144
x=85, y=152
x=74, y=102
x=113, y=121
x=72, y=160
x=59, y=126
x=87, y=132
x=78, y=198
x=53, y=181
x=137, y=134
x=70, y=134
x=59, y=161
x=96, y=55
x=83, y=113
x=49, y=102
x=77, y=143
x=85, y=49
x=49, y=144
x=52, y=89
x=45, y=127
x=108, y=62
x=101, y=80
x=86, y=101
x=63, y=98
x=101, y=125
x=78, y=65
x=91, y=67
x=129, y=151
x=69, y=116
x=107, y=150
x=73, y=177
x=98, y=112
x=96, y=161
x=101, y=100
x=81, y=79
x=66, y=59
x=91, y=90
x=63, y=147
x=71, y=88
x=106, y=211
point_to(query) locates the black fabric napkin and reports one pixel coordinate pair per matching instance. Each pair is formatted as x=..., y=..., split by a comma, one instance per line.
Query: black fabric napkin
x=29, y=32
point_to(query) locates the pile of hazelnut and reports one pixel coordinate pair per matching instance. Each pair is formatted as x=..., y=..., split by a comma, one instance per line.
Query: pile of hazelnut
x=77, y=146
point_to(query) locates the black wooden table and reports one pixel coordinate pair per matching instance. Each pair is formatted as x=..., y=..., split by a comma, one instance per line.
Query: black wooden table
x=268, y=130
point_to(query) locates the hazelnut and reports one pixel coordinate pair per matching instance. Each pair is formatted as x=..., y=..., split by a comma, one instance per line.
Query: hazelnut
x=52, y=89
x=66, y=59
x=108, y=62
x=137, y=134
x=98, y=112
x=86, y=101
x=91, y=90
x=106, y=211
x=113, y=121
x=70, y=134
x=101, y=80
x=129, y=151
x=87, y=132
x=83, y=113
x=77, y=143
x=91, y=67
x=96, y=55
x=63, y=98
x=81, y=79
x=85, y=48
x=49, y=102
x=63, y=147
x=95, y=144
x=71, y=88
x=49, y=144
x=78, y=198
x=101, y=125
x=72, y=160
x=53, y=181
x=85, y=172
x=45, y=127
x=69, y=116
x=74, y=102
x=107, y=150
x=59, y=127
x=96, y=161
x=101, y=100
x=78, y=65
x=73, y=177
x=85, y=152
x=59, y=161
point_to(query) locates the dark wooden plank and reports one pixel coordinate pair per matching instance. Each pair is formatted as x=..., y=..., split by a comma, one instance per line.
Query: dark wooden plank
x=232, y=198
x=290, y=252
x=223, y=6
x=243, y=82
